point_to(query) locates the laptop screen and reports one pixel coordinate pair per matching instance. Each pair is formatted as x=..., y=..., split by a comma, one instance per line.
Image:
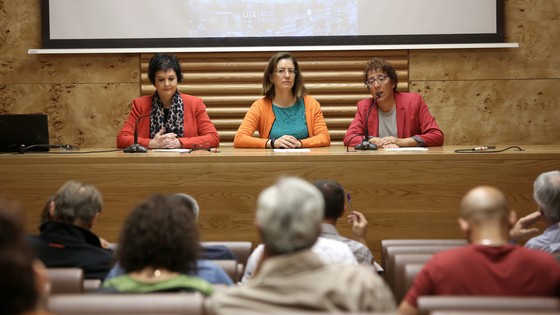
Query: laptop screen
x=27, y=132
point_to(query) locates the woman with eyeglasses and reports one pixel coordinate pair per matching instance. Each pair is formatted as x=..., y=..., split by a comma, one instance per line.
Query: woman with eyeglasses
x=168, y=119
x=393, y=119
x=286, y=117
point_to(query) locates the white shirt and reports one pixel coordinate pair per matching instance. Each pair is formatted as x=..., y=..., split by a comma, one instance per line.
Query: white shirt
x=329, y=251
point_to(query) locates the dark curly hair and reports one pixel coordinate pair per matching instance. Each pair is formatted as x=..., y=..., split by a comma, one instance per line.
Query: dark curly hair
x=164, y=62
x=159, y=233
x=377, y=64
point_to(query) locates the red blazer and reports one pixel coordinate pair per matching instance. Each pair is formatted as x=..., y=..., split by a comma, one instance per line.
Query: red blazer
x=197, y=125
x=413, y=119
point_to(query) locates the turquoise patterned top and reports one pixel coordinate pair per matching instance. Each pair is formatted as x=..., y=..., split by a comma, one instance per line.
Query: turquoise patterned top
x=290, y=121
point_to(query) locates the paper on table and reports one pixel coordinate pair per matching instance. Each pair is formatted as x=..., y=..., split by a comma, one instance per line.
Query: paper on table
x=291, y=150
x=407, y=149
x=173, y=150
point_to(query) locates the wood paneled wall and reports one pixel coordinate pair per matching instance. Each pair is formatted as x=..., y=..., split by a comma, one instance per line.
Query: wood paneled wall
x=230, y=82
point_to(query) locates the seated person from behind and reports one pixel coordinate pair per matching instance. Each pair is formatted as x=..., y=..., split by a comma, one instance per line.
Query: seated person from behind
x=396, y=119
x=205, y=268
x=335, y=207
x=158, y=247
x=173, y=119
x=23, y=279
x=291, y=277
x=285, y=117
x=65, y=238
x=490, y=265
x=546, y=192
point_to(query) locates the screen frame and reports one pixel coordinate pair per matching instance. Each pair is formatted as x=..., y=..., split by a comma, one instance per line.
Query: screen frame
x=215, y=42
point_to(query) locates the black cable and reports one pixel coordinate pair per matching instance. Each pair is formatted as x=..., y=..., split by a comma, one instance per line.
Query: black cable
x=350, y=140
x=488, y=149
x=80, y=152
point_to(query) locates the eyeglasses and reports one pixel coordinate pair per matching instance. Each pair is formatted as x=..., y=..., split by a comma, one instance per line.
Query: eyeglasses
x=283, y=71
x=380, y=80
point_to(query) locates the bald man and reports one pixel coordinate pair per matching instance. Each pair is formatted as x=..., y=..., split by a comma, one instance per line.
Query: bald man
x=489, y=265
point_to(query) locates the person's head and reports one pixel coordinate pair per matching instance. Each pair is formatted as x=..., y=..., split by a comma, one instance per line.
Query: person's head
x=160, y=233
x=77, y=203
x=289, y=215
x=283, y=72
x=380, y=78
x=46, y=211
x=546, y=192
x=22, y=277
x=333, y=194
x=485, y=206
x=164, y=72
x=190, y=203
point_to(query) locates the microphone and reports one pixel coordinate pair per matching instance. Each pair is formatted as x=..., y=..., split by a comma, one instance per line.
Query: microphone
x=136, y=148
x=366, y=145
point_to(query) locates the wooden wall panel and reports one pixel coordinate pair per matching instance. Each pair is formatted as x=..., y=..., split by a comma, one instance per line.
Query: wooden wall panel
x=516, y=111
x=230, y=82
x=498, y=96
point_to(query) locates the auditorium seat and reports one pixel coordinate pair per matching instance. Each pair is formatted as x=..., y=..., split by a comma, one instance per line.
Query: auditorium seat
x=410, y=272
x=127, y=304
x=410, y=242
x=429, y=304
x=412, y=249
x=65, y=280
x=399, y=283
x=330, y=313
x=510, y=312
x=241, y=250
x=91, y=285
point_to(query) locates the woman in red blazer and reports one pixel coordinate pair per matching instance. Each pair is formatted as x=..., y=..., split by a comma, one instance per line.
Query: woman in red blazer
x=168, y=119
x=394, y=119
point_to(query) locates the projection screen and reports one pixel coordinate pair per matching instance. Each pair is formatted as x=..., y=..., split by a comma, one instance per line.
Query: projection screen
x=222, y=23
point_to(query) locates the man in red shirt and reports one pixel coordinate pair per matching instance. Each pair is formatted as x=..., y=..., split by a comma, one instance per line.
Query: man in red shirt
x=489, y=265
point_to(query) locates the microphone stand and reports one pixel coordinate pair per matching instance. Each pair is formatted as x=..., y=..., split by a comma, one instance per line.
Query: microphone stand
x=366, y=145
x=136, y=148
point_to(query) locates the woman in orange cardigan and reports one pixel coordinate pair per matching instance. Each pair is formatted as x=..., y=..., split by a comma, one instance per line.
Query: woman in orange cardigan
x=285, y=117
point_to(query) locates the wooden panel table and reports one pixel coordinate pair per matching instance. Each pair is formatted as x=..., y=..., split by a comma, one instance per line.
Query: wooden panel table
x=403, y=194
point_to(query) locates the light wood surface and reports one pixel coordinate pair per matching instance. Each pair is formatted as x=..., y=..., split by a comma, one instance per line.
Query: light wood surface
x=402, y=194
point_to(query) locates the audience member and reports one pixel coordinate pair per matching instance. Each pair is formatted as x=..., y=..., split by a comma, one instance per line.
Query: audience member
x=393, y=119
x=329, y=252
x=546, y=192
x=23, y=280
x=158, y=248
x=205, y=268
x=335, y=206
x=176, y=120
x=490, y=265
x=285, y=117
x=66, y=240
x=209, y=252
x=292, y=277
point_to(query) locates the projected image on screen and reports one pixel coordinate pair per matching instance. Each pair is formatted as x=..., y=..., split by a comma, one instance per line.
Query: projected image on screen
x=252, y=18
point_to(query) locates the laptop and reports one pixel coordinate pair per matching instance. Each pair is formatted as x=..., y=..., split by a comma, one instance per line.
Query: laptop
x=24, y=132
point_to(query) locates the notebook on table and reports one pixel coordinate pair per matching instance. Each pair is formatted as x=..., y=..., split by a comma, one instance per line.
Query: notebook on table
x=24, y=132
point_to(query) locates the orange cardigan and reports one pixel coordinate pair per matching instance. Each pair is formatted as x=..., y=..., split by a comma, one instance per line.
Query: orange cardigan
x=260, y=117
